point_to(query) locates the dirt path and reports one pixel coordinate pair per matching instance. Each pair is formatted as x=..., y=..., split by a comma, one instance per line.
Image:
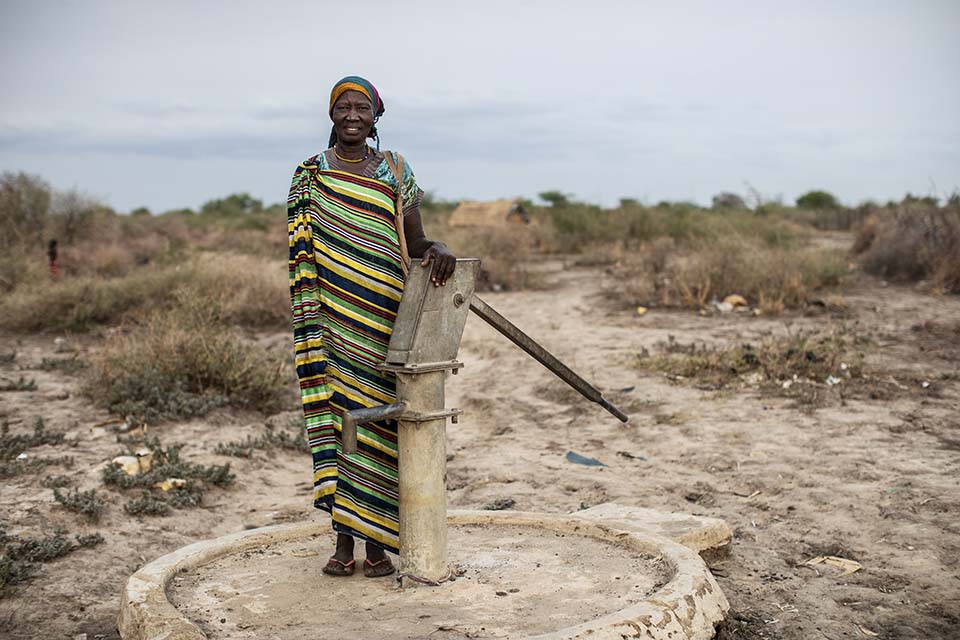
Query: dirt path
x=875, y=481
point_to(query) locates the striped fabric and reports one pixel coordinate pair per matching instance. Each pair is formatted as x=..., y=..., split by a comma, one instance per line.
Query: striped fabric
x=345, y=287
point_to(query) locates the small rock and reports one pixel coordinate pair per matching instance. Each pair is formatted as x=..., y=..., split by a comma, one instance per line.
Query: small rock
x=500, y=504
x=170, y=483
x=641, y=310
x=129, y=464
x=832, y=380
x=145, y=459
x=22, y=456
x=724, y=307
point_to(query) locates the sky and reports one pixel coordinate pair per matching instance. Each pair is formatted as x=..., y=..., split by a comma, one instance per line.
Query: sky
x=170, y=104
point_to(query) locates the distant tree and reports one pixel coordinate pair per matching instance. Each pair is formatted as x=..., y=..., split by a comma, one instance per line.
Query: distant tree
x=186, y=211
x=817, y=200
x=555, y=199
x=629, y=203
x=24, y=206
x=139, y=212
x=931, y=201
x=75, y=216
x=236, y=204
x=728, y=200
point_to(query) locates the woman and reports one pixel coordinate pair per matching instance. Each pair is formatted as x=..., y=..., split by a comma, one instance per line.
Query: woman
x=346, y=278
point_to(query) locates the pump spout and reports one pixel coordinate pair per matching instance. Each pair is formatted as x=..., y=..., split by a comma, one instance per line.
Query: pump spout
x=348, y=432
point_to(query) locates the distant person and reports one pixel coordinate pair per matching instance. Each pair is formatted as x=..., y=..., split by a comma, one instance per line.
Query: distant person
x=347, y=265
x=52, y=256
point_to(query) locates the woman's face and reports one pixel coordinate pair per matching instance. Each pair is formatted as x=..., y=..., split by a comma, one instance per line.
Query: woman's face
x=352, y=117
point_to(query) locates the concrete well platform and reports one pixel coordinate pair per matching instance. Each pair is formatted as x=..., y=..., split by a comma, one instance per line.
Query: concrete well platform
x=522, y=575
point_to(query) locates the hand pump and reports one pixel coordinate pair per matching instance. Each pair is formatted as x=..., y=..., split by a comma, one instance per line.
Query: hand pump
x=423, y=348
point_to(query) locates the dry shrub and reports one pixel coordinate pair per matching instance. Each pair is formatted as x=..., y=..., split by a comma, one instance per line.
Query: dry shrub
x=21, y=266
x=185, y=362
x=579, y=227
x=95, y=259
x=504, y=253
x=78, y=304
x=914, y=242
x=772, y=278
x=249, y=291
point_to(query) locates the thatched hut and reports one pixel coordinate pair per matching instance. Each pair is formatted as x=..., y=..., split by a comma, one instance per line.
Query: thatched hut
x=499, y=213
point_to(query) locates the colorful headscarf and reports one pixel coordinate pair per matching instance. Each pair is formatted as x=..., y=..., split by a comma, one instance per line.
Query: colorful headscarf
x=356, y=83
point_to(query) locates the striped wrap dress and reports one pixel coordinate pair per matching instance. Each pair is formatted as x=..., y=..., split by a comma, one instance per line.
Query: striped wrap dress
x=345, y=286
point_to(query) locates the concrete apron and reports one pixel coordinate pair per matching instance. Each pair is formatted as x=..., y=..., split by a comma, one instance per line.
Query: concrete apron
x=688, y=605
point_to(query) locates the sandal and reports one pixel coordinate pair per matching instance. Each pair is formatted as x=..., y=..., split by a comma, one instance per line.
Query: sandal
x=337, y=568
x=378, y=569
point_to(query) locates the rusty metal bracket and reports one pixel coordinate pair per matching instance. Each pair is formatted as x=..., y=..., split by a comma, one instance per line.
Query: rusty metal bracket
x=427, y=416
x=422, y=367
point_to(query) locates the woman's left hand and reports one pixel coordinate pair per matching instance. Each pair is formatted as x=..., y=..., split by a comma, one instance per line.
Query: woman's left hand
x=444, y=263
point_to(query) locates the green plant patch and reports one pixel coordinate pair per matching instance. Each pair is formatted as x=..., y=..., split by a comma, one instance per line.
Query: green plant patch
x=69, y=365
x=20, y=384
x=15, y=458
x=21, y=556
x=270, y=440
x=168, y=464
x=85, y=503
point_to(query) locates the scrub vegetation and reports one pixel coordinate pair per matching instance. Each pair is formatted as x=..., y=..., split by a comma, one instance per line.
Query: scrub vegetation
x=179, y=292
x=790, y=368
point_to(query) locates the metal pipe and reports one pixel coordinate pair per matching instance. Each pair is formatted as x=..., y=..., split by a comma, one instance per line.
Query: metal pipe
x=422, y=462
x=541, y=355
x=348, y=430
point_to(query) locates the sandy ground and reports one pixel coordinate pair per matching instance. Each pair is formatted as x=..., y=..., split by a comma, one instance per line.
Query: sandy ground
x=870, y=480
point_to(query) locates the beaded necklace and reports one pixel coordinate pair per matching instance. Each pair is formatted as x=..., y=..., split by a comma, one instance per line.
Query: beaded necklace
x=366, y=154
